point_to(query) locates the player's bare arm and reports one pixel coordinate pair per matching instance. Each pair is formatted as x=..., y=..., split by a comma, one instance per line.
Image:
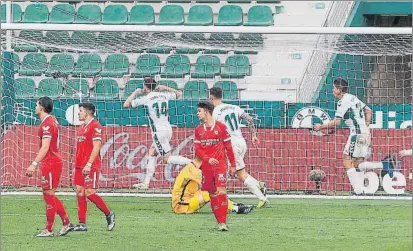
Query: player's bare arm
x=332, y=124
x=40, y=156
x=251, y=127
x=97, y=144
x=128, y=101
x=368, y=115
x=178, y=93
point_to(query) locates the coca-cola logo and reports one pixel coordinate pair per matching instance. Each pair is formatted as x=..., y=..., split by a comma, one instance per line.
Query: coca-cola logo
x=122, y=159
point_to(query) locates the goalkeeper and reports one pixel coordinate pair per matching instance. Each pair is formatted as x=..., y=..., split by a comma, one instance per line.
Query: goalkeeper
x=187, y=198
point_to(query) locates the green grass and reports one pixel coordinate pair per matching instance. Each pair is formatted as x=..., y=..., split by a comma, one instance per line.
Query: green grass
x=149, y=224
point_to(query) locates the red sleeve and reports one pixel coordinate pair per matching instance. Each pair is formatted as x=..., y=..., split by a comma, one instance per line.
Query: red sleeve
x=198, y=149
x=97, y=131
x=46, y=130
x=227, y=144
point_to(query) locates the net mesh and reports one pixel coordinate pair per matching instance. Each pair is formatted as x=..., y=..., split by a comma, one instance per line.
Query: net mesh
x=283, y=81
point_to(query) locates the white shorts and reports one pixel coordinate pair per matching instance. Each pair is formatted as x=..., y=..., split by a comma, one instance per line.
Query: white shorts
x=161, y=141
x=239, y=146
x=358, y=146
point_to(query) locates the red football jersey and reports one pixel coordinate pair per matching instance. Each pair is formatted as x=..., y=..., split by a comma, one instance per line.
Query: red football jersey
x=85, y=136
x=213, y=142
x=49, y=128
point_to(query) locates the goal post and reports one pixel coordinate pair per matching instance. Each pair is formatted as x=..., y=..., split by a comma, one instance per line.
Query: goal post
x=270, y=72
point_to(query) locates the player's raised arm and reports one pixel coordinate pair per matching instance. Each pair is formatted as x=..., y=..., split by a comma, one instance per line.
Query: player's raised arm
x=129, y=102
x=178, y=93
x=251, y=127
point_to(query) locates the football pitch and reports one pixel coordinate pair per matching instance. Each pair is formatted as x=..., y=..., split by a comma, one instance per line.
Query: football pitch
x=150, y=224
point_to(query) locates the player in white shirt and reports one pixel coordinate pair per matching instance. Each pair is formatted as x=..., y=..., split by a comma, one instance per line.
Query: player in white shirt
x=231, y=115
x=357, y=116
x=156, y=101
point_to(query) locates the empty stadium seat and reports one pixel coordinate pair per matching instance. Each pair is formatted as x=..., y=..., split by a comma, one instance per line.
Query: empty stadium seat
x=260, y=15
x=147, y=65
x=169, y=83
x=16, y=13
x=230, y=15
x=33, y=64
x=60, y=65
x=141, y=15
x=116, y=65
x=236, y=66
x=171, y=15
x=88, y=14
x=36, y=13
x=88, y=65
x=15, y=62
x=62, y=14
x=230, y=89
x=195, y=90
x=28, y=35
x=131, y=86
x=76, y=85
x=207, y=66
x=56, y=39
x=115, y=14
x=51, y=87
x=106, y=89
x=24, y=87
x=84, y=39
x=200, y=15
x=176, y=66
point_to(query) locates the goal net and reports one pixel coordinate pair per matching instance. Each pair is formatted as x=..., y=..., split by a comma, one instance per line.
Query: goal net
x=281, y=76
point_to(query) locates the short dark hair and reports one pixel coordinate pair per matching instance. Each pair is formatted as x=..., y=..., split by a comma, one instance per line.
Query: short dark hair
x=46, y=103
x=206, y=105
x=88, y=106
x=150, y=83
x=342, y=84
x=216, y=92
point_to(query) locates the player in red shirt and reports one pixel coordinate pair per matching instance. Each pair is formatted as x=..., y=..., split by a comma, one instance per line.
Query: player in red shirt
x=87, y=166
x=51, y=167
x=213, y=144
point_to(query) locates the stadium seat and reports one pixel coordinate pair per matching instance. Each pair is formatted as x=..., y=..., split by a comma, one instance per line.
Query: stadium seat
x=115, y=14
x=33, y=64
x=141, y=15
x=74, y=85
x=28, y=35
x=88, y=14
x=62, y=14
x=16, y=13
x=187, y=50
x=16, y=63
x=88, y=65
x=51, y=87
x=36, y=13
x=24, y=87
x=200, y=15
x=169, y=83
x=84, y=39
x=106, y=89
x=225, y=41
x=116, y=65
x=171, y=15
x=147, y=65
x=159, y=49
x=250, y=42
x=131, y=86
x=55, y=40
x=196, y=90
x=207, y=66
x=60, y=65
x=229, y=15
x=230, y=89
x=260, y=15
x=236, y=66
x=176, y=66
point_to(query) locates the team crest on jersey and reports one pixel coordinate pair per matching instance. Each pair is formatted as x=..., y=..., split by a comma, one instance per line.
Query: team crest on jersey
x=46, y=128
x=98, y=130
x=216, y=132
x=43, y=180
x=307, y=117
x=221, y=177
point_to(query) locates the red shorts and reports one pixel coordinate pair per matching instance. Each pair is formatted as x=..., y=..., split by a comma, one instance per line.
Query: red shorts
x=51, y=175
x=89, y=181
x=213, y=178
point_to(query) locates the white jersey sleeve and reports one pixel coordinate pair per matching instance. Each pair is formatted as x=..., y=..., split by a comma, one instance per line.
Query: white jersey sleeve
x=139, y=101
x=342, y=108
x=170, y=95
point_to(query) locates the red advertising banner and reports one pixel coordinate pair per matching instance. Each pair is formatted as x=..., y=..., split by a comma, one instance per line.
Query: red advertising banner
x=283, y=159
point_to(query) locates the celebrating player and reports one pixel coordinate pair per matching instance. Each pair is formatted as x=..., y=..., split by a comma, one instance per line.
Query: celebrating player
x=231, y=116
x=187, y=197
x=357, y=117
x=87, y=166
x=213, y=144
x=51, y=169
x=156, y=100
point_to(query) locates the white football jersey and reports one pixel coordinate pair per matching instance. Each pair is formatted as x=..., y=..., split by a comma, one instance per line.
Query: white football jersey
x=230, y=115
x=157, y=105
x=351, y=110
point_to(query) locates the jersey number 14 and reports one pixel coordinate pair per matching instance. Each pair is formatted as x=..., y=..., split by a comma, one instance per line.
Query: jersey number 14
x=163, y=110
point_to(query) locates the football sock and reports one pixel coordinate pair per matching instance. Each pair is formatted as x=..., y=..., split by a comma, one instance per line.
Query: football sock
x=150, y=169
x=222, y=211
x=178, y=160
x=253, y=186
x=100, y=203
x=61, y=211
x=364, y=166
x=81, y=209
x=214, y=207
x=50, y=210
x=355, y=180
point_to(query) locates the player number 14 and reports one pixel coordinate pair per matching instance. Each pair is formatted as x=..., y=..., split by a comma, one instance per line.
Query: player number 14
x=163, y=110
